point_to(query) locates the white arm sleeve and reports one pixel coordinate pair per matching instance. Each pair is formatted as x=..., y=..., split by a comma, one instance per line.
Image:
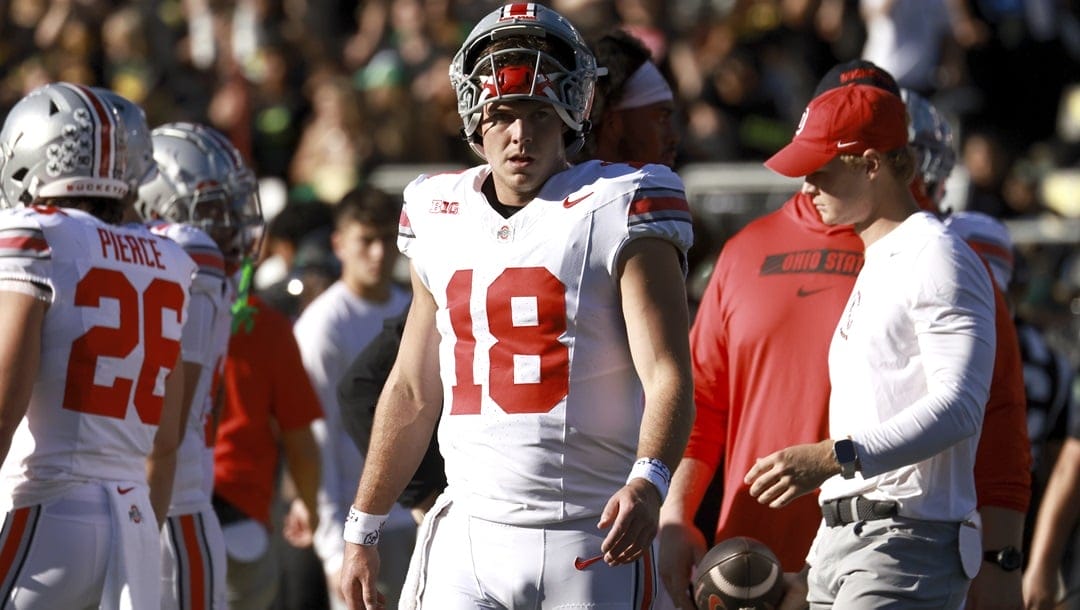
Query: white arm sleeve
x=954, y=321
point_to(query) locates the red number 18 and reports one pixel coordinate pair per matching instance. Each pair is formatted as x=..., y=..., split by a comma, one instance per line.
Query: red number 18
x=540, y=339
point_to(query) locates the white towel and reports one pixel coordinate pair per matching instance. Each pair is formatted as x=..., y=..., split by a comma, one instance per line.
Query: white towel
x=133, y=578
x=413, y=588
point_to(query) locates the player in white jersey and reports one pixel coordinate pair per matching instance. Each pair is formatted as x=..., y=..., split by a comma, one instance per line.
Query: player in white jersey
x=89, y=395
x=200, y=197
x=549, y=329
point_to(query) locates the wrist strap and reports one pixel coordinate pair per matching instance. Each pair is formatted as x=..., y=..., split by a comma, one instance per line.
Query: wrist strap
x=653, y=471
x=363, y=528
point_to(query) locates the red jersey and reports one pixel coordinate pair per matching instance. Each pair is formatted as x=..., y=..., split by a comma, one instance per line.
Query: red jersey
x=760, y=342
x=266, y=389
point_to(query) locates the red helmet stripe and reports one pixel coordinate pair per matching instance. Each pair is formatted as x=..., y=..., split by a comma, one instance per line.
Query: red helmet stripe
x=106, y=156
x=519, y=10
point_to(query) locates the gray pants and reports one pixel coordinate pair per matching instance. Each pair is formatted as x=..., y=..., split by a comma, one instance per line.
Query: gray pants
x=251, y=583
x=894, y=562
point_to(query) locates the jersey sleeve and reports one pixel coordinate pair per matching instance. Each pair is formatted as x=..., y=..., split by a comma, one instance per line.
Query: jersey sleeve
x=1003, y=458
x=658, y=208
x=197, y=342
x=406, y=235
x=208, y=288
x=209, y=275
x=25, y=256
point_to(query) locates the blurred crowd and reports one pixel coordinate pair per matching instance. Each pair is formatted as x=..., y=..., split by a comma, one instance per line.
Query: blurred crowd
x=319, y=92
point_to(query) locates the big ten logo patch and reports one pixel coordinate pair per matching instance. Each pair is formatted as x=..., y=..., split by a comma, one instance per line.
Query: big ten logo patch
x=439, y=206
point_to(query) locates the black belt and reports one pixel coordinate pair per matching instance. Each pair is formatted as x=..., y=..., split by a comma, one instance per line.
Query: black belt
x=843, y=511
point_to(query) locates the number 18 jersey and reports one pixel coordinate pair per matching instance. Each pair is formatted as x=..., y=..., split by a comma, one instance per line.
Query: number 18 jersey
x=542, y=405
x=117, y=300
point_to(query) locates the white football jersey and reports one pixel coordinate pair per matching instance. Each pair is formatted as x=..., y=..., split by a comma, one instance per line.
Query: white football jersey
x=111, y=335
x=205, y=340
x=542, y=405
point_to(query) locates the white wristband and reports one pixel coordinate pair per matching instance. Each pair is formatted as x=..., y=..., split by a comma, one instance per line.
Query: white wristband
x=653, y=471
x=362, y=528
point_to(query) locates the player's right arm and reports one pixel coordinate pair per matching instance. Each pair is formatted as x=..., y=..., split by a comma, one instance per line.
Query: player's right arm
x=404, y=421
x=681, y=543
x=20, y=356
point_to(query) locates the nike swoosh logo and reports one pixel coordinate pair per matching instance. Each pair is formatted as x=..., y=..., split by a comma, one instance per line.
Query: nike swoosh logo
x=581, y=564
x=803, y=292
x=846, y=144
x=569, y=203
x=124, y=490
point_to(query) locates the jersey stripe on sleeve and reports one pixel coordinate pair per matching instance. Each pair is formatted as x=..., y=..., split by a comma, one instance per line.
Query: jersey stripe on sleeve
x=657, y=205
x=23, y=242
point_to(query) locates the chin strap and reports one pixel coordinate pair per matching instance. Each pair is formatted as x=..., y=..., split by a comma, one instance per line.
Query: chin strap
x=243, y=312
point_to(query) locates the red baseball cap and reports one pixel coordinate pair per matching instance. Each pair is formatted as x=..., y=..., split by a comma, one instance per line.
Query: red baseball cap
x=847, y=120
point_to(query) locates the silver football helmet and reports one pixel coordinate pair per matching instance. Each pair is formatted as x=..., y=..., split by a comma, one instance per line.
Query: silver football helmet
x=140, y=150
x=62, y=140
x=203, y=181
x=566, y=81
x=931, y=137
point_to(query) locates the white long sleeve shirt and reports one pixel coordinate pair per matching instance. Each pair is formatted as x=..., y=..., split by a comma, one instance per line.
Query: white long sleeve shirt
x=910, y=366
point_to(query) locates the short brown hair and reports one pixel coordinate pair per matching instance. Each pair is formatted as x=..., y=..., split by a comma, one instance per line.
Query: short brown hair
x=367, y=205
x=901, y=161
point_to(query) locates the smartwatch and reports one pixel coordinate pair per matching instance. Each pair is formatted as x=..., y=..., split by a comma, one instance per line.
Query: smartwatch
x=1008, y=558
x=844, y=452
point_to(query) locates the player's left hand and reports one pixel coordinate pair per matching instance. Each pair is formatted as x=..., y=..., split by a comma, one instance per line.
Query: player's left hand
x=995, y=589
x=779, y=478
x=359, y=572
x=633, y=514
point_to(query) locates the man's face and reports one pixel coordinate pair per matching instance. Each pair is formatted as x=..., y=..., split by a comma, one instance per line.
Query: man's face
x=214, y=215
x=523, y=142
x=840, y=193
x=647, y=134
x=367, y=253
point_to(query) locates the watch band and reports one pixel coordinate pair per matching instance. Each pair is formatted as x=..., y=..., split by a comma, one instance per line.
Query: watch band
x=844, y=453
x=1008, y=558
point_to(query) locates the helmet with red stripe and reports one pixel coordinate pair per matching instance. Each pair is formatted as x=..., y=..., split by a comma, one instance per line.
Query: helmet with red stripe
x=140, y=150
x=201, y=180
x=563, y=75
x=62, y=141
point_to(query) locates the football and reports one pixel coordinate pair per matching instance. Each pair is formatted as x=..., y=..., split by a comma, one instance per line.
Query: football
x=739, y=573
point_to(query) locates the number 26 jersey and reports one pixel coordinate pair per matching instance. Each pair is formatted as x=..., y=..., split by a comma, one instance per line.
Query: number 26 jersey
x=542, y=405
x=117, y=300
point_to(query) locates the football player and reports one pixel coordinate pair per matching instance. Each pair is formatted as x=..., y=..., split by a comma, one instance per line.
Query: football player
x=200, y=197
x=549, y=326
x=89, y=347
